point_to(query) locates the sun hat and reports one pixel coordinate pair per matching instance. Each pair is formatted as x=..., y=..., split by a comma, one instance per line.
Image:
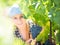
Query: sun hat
x=14, y=10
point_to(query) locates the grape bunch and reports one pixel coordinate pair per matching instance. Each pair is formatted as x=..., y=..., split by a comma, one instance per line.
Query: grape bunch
x=35, y=30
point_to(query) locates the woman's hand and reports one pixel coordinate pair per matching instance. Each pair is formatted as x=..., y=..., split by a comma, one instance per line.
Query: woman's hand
x=24, y=29
x=29, y=41
x=33, y=42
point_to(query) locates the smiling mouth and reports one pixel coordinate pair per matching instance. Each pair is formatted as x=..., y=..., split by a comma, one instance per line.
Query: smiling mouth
x=20, y=24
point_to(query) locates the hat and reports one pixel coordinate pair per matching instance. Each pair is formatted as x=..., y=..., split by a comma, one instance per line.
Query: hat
x=14, y=10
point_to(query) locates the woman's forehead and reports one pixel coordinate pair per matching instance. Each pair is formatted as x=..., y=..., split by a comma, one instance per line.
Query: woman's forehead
x=18, y=15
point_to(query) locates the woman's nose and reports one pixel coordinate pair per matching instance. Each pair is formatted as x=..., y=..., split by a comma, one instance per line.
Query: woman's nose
x=19, y=21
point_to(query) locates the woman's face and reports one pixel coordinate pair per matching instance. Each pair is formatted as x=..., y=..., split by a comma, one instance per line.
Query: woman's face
x=19, y=20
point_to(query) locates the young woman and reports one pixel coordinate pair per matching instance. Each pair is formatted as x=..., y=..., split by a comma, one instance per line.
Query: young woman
x=22, y=28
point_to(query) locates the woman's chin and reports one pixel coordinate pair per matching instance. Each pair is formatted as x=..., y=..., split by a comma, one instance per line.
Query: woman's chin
x=19, y=25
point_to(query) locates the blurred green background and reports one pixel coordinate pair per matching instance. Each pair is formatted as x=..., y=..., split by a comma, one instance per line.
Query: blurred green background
x=38, y=11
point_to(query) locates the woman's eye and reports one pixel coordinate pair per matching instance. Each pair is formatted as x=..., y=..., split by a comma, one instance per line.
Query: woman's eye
x=15, y=18
x=21, y=17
